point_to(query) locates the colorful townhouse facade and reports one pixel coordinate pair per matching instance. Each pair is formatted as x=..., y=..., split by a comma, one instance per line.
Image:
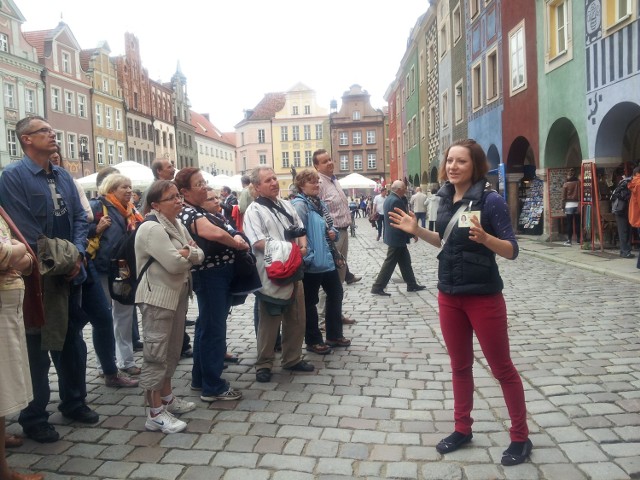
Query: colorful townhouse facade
x=216, y=149
x=21, y=82
x=107, y=107
x=299, y=128
x=162, y=116
x=543, y=86
x=254, y=133
x=67, y=95
x=357, y=135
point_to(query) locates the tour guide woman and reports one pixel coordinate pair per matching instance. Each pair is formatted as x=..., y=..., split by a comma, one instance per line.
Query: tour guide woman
x=165, y=254
x=211, y=283
x=470, y=289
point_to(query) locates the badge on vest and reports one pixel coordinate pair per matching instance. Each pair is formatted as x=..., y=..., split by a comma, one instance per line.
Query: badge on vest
x=465, y=219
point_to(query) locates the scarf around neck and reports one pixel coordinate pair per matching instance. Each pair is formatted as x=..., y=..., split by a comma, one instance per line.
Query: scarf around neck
x=130, y=214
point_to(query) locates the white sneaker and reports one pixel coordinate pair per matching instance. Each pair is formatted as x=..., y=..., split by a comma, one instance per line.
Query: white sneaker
x=178, y=406
x=165, y=422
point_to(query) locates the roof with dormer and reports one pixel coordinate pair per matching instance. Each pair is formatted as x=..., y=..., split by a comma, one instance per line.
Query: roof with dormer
x=40, y=39
x=204, y=127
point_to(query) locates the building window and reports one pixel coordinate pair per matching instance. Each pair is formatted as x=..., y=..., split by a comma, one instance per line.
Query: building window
x=458, y=105
x=98, y=114
x=356, y=115
x=55, y=98
x=423, y=123
x=130, y=127
x=150, y=130
x=12, y=143
x=284, y=134
x=66, y=62
x=343, y=138
x=145, y=157
x=432, y=120
x=108, y=116
x=457, y=24
x=4, y=42
x=68, y=102
x=444, y=39
x=171, y=140
x=617, y=12
x=143, y=131
x=356, y=137
x=132, y=154
x=82, y=106
x=371, y=137
x=295, y=131
x=71, y=145
x=319, y=132
x=296, y=159
x=308, y=158
x=110, y=153
x=357, y=162
x=120, y=153
x=261, y=135
x=492, y=76
x=30, y=100
x=517, y=59
x=476, y=84
x=307, y=132
x=344, y=162
x=105, y=85
x=136, y=129
x=119, y=120
x=262, y=159
x=9, y=95
x=307, y=109
x=295, y=110
x=413, y=79
x=285, y=159
x=371, y=161
x=445, y=109
x=474, y=8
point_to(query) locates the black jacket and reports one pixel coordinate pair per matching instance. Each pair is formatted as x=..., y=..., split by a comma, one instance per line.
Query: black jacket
x=394, y=237
x=466, y=267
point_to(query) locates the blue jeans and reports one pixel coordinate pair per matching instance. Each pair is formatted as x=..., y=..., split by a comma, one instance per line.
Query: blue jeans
x=70, y=363
x=97, y=310
x=211, y=287
x=422, y=216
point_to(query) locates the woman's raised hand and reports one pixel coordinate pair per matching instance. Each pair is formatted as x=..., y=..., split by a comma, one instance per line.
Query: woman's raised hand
x=404, y=221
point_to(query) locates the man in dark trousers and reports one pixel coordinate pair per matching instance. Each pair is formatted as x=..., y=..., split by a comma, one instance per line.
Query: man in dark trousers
x=396, y=240
x=42, y=200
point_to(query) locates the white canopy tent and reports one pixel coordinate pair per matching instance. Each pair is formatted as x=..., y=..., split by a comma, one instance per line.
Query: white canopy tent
x=355, y=180
x=219, y=181
x=141, y=176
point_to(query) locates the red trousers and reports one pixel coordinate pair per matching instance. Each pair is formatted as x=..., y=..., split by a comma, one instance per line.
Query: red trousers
x=486, y=315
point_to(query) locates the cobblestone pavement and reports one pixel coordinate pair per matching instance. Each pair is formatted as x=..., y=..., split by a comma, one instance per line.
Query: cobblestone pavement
x=377, y=409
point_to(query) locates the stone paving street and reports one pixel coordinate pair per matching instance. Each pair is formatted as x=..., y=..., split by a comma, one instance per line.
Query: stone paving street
x=377, y=409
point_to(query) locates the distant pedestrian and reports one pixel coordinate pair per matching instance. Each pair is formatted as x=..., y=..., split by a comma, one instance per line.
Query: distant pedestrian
x=470, y=290
x=634, y=202
x=432, y=203
x=571, y=202
x=418, y=206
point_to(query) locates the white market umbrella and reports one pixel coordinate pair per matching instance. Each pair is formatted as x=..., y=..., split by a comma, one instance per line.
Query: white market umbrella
x=355, y=180
x=140, y=176
x=219, y=181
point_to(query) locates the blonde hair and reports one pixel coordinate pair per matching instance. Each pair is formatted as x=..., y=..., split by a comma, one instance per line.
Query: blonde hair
x=112, y=182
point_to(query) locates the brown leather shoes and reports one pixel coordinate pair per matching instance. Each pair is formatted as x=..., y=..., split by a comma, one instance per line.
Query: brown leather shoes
x=347, y=321
x=12, y=441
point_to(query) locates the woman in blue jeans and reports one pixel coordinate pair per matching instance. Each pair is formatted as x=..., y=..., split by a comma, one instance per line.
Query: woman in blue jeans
x=211, y=284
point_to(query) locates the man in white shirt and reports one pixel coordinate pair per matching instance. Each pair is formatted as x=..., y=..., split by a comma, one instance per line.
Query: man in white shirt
x=378, y=205
x=418, y=207
x=268, y=217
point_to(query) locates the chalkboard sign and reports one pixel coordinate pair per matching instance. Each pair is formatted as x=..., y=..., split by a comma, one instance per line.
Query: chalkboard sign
x=555, y=179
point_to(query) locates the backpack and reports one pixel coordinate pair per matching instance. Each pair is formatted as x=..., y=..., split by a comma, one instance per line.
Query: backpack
x=122, y=278
x=620, y=198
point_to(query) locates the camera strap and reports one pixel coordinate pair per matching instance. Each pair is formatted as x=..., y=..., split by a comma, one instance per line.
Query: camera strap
x=275, y=207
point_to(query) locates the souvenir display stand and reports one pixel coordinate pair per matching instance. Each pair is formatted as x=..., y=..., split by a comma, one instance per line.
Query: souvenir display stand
x=555, y=181
x=530, y=220
x=591, y=230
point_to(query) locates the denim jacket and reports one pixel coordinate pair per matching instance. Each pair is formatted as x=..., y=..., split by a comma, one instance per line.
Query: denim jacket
x=25, y=195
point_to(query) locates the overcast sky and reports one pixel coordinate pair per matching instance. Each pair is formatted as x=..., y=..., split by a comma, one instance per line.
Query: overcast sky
x=233, y=52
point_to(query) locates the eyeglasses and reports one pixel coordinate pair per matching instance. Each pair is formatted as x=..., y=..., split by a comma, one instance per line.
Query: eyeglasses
x=172, y=198
x=202, y=184
x=46, y=130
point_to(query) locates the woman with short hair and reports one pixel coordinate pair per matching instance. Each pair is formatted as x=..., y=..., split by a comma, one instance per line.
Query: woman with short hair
x=114, y=216
x=321, y=268
x=165, y=254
